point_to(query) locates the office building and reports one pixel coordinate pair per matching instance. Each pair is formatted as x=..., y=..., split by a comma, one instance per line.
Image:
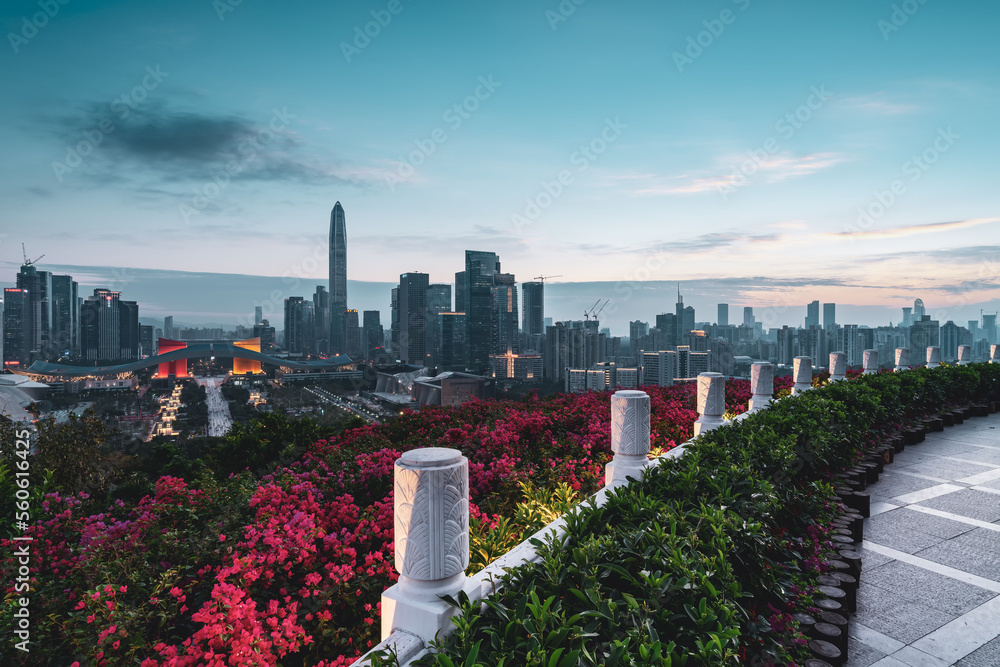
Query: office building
x=65, y=323
x=438, y=301
x=258, y=314
x=338, y=278
x=413, y=318
x=109, y=327
x=321, y=320
x=723, y=319
x=533, y=308
x=480, y=268
x=352, y=334
x=372, y=336
x=16, y=306
x=453, y=343
x=812, y=315
x=829, y=316
x=506, y=338
x=296, y=325
x=265, y=332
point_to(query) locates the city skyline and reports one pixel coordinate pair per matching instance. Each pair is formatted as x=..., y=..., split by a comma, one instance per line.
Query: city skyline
x=673, y=153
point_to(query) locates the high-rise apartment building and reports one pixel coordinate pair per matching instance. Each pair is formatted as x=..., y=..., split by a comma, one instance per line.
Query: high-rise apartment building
x=338, y=278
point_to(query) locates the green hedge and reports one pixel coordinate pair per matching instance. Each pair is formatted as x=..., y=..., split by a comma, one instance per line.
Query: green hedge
x=703, y=561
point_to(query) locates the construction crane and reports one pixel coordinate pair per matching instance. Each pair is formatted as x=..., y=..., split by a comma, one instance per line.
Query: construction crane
x=586, y=313
x=28, y=262
x=542, y=278
x=599, y=310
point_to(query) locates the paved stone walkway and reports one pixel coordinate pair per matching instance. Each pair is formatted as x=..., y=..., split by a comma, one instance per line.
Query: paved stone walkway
x=930, y=580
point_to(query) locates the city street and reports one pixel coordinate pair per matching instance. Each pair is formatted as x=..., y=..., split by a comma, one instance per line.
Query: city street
x=219, y=419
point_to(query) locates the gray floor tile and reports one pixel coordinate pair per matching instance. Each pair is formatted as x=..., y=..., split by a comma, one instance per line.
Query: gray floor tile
x=967, y=502
x=988, y=655
x=922, y=586
x=974, y=552
x=895, y=616
x=924, y=523
x=891, y=484
x=861, y=655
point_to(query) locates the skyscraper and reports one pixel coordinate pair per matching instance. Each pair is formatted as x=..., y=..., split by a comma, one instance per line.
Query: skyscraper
x=918, y=310
x=812, y=314
x=65, y=316
x=258, y=314
x=109, y=327
x=38, y=311
x=438, y=301
x=295, y=324
x=168, y=327
x=373, y=337
x=413, y=318
x=480, y=267
x=533, y=298
x=505, y=330
x=15, y=328
x=321, y=313
x=338, y=278
x=685, y=318
x=748, y=319
x=723, y=318
x=352, y=334
x=829, y=315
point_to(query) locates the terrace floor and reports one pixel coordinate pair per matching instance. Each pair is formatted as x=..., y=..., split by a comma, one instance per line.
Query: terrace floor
x=930, y=592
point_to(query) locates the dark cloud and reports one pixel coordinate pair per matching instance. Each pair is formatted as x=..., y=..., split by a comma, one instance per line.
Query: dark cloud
x=166, y=145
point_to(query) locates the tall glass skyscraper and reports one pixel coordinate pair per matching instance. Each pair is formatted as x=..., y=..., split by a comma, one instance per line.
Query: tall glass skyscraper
x=480, y=267
x=338, y=278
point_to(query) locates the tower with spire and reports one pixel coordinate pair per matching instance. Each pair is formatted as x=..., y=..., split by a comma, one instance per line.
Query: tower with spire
x=338, y=279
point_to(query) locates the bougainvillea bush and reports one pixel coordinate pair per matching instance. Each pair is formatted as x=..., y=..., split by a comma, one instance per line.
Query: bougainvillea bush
x=289, y=569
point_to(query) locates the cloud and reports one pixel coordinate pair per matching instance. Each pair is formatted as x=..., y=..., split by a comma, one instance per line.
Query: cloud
x=180, y=145
x=743, y=169
x=913, y=230
x=877, y=103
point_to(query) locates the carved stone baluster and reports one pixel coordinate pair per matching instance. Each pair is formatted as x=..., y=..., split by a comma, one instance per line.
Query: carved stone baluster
x=964, y=355
x=802, y=373
x=761, y=385
x=711, y=402
x=902, y=359
x=933, y=356
x=870, y=360
x=629, y=437
x=838, y=366
x=431, y=502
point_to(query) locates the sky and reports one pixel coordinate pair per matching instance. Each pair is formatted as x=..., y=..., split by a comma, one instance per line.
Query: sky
x=760, y=153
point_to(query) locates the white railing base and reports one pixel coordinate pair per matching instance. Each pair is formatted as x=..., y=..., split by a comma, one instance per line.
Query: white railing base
x=423, y=618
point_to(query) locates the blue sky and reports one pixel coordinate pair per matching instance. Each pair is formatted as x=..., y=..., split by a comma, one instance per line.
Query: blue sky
x=715, y=143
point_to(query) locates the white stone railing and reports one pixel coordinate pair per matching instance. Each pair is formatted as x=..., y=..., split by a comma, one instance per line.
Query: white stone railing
x=933, y=356
x=431, y=503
